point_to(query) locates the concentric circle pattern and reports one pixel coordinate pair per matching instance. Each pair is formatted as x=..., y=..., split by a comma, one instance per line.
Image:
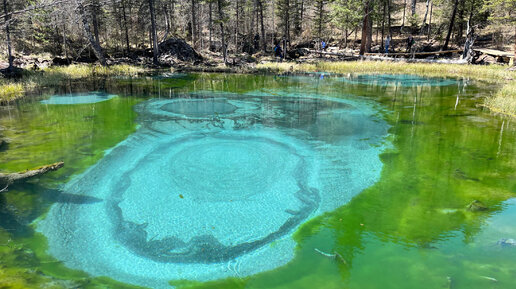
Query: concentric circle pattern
x=213, y=187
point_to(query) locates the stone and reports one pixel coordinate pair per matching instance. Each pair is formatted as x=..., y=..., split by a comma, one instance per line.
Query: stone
x=176, y=49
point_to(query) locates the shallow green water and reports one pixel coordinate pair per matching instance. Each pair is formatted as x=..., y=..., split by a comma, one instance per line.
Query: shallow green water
x=408, y=230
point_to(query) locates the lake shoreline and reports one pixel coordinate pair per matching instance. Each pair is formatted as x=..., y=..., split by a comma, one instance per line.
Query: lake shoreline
x=503, y=100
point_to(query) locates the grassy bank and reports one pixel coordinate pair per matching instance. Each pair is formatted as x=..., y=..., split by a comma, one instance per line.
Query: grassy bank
x=502, y=101
x=11, y=90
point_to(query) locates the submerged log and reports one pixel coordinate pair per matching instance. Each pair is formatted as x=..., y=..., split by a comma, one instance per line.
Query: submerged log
x=477, y=206
x=8, y=179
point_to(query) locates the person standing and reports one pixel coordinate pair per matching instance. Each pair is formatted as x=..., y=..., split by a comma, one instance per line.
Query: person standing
x=387, y=43
x=410, y=42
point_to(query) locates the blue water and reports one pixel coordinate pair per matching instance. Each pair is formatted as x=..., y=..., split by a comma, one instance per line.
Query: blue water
x=80, y=98
x=213, y=185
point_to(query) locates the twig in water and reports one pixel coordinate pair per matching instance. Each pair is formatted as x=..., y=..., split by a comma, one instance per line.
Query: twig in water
x=335, y=256
x=489, y=278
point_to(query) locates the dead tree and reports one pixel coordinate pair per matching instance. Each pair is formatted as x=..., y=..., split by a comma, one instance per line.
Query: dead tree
x=9, y=179
x=97, y=49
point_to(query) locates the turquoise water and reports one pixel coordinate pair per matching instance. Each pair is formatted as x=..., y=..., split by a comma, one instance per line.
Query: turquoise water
x=79, y=98
x=214, y=187
x=258, y=181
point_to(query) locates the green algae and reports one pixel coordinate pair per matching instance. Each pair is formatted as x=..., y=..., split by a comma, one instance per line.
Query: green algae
x=409, y=230
x=42, y=134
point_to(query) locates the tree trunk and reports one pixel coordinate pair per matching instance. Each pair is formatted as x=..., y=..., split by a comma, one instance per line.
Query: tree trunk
x=365, y=25
x=369, y=41
x=460, y=19
x=192, y=10
x=424, y=18
x=126, y=29
x=210, y=25
x=65, y=49
x=413, y=7
x=450, y=28
x=167, y=22
x=273, y=25
x=514, y=59
x=8, y=35
x=389, y=17
x=262, y=27
x=221, y=23
x=403, y=18
x=287, y=25
x=94, y=12
x=237, y=8
x=97, y=49
x=430, y=20
x=383, y=24
x=155, y=48
x=8, y=179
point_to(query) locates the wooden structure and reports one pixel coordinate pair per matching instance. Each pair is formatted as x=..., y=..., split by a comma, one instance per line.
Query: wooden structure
x=500, y=56
x=415, y=54
x=397, y=54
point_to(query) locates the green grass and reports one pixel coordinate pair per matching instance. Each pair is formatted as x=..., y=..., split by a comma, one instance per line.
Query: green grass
x=502, y=101
x=12, y=90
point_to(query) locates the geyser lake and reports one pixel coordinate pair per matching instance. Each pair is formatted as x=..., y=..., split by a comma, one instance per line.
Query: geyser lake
x=246, y=181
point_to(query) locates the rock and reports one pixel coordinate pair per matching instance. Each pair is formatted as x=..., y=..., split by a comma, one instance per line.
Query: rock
x=58, y=61
x=476, y=206
x=3, y=144
x=507, y=242
x=176, y=49
x=13, y=72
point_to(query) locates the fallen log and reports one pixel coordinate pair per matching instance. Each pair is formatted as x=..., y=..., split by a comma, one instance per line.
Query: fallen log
x=8, y=179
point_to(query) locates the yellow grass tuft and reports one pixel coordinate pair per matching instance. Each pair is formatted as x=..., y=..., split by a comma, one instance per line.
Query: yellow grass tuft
x=84, y=71
x=492, y=73
x=504, y=100
x=10, y=91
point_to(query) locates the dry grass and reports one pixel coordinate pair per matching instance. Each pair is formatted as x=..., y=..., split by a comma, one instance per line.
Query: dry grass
x=12, y=90
x=504, y=100
x=84, y=71
x=492, y=73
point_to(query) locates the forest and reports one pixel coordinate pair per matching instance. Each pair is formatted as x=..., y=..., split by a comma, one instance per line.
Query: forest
x=102, y=30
